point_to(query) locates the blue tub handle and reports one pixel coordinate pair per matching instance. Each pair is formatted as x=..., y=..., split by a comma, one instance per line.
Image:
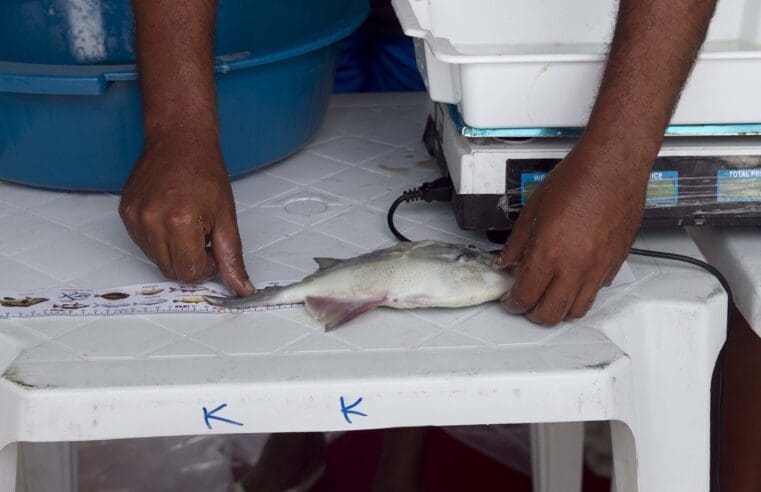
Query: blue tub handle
x=93, y=80
x=32, y=78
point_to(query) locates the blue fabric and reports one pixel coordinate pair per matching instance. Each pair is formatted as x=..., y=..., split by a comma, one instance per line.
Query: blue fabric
x=377, y=63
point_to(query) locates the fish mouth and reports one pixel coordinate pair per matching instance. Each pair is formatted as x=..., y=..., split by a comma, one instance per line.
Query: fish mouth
x=264, y=297
x=230, y=302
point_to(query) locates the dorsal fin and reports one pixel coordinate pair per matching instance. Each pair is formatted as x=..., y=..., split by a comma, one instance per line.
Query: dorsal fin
x=325, y=263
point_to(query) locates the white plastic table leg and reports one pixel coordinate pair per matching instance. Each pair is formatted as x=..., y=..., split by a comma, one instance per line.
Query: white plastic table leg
x=50, y=466
x=557, y=456
x=671, y=445
x=624, y=477
x=664, y=443
x=8, y=464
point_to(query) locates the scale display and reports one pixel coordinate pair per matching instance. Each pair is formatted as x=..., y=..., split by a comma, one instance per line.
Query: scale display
x=716, y=190
x=529, y=182
x=663, y=188
x=738, y=185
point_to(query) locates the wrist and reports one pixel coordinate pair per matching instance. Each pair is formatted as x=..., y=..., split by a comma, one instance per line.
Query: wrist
x=623, y=141
x=185, y=147
x=629, y=163
x=180, y=114
x=625, y=128
x=196, y=134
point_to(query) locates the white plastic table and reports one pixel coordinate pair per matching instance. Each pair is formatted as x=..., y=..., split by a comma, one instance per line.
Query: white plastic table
x=643, y=357
x=736, y=252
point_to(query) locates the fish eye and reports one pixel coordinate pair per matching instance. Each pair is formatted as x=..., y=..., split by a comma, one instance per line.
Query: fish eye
x=471, y=246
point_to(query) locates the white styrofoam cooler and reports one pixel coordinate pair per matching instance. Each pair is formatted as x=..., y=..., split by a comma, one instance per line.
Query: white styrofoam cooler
x=537, y=63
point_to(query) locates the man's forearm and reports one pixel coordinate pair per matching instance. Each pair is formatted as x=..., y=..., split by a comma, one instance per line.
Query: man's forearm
x=654, y=48
x=175, y=43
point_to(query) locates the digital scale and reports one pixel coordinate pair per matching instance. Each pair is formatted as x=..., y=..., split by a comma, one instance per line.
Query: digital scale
x=704, y=174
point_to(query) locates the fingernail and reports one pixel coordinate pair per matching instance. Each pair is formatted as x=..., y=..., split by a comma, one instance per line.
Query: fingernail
x=249, y=286
x=510, y=306
x=497, y=261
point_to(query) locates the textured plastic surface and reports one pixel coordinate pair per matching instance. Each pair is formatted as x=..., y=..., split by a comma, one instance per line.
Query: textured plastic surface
x=737, y=253
x=70, y=105
x=104, y=378
x=529, y=63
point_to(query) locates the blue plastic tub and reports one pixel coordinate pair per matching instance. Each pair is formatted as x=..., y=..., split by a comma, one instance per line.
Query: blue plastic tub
x=70, y=115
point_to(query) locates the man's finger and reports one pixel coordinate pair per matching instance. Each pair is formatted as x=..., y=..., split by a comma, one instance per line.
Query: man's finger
x=159, y=254
x=557, y=299
x=613, y=271
x=531, y=282
x=516, y=243
x=189, y=259
x=587, y=295
x=142, y=243
x=228, y=254
x=135, y=233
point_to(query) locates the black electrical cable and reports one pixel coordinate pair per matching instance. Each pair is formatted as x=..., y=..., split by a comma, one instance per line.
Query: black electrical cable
x=390, y=218
x=441, y=190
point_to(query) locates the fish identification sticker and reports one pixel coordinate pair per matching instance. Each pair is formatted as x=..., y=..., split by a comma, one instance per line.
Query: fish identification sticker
x=165, y=297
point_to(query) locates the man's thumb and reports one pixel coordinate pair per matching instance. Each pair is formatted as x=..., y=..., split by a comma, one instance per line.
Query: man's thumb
x=515, y=246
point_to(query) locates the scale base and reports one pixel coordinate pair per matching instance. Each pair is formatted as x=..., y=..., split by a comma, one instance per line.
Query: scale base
x=695, y=181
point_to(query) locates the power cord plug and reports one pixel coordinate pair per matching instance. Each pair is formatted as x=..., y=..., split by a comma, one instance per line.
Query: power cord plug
x=439, y=190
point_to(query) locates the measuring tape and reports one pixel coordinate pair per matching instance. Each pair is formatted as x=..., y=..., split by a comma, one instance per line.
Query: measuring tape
x=165, y=297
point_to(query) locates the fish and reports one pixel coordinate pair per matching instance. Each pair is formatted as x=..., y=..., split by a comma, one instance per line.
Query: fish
x=187, y=289
x=75, y=295
x=406, y=276
x=190, y=300
x=112, y=305
x=70, y=305
x=24, y=302
x=150, y=301
x=150, y=291
x=113, y=296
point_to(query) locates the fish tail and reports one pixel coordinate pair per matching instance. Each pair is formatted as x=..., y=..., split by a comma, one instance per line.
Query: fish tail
x=271, y=296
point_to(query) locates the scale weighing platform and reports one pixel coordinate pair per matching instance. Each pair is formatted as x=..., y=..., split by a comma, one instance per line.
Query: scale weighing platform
x=704, y=175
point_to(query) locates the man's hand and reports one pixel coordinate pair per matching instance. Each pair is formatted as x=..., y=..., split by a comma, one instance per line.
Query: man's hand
x=178, y=198
x=580, y=222
x=573, y=235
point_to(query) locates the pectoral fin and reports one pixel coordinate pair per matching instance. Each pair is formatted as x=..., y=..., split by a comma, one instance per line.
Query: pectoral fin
x=333, y=311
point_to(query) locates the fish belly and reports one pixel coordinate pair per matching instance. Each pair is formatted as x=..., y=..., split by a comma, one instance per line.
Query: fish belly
x=447, y=287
